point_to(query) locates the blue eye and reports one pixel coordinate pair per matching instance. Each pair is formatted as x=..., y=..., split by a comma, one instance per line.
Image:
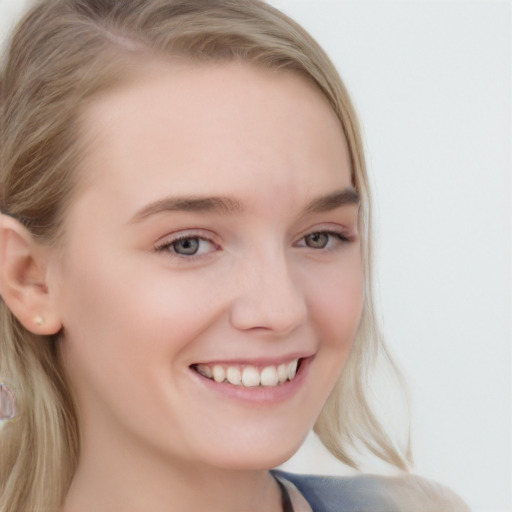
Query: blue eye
x=187, y=246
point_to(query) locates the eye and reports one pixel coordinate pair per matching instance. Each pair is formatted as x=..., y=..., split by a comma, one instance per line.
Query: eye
x=317, y=240
x=323, y=239
x=187, y=246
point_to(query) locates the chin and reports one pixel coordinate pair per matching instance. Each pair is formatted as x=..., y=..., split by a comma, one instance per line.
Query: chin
x=256, y=455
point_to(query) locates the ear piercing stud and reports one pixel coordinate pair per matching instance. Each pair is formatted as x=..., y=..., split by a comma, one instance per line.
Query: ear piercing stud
x=39, y=320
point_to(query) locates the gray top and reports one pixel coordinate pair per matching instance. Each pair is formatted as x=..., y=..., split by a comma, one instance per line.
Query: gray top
x=372, y=493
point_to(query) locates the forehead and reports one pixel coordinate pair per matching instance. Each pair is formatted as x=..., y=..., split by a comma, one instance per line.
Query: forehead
x=213, y=126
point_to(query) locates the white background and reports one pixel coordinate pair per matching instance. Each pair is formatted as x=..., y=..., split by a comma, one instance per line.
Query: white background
x=431, y=81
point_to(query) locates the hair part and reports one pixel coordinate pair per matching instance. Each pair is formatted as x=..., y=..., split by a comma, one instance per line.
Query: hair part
x=63, y=54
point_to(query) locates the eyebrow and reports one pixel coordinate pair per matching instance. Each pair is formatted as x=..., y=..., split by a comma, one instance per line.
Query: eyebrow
x=231, y=206
x=222, y=205
x=348, y=196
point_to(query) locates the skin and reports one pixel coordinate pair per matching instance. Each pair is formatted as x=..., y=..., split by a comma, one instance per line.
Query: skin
x=136, y=315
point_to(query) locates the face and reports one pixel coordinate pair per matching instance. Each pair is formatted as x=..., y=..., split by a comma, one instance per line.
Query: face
x=210, y=281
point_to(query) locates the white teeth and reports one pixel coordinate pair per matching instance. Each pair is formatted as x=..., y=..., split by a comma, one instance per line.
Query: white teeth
x=219, y=374
x=234, y=376
x=282, y=372
x=250, y=377
x=206, y=371
x=292, y=369
x=269, y=376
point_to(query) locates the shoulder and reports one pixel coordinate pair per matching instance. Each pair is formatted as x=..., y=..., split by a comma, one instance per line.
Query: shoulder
x=372, y=493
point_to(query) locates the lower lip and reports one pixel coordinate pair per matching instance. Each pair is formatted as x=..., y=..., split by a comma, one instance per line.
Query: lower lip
x=259, y=394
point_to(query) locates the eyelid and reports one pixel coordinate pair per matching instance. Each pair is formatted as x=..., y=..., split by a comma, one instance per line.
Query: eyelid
x=165, y=242
x=336, y=238
x=346, y=234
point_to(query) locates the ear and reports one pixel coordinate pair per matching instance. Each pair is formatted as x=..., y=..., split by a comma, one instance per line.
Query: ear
x=23, y=278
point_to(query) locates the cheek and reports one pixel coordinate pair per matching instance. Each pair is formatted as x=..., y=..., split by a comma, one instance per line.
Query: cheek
x=127, y=332
x=127, y=315
x=336, y=308
x=336, y=303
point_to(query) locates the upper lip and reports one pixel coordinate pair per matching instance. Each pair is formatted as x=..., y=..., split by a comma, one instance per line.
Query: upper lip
x=262, y=361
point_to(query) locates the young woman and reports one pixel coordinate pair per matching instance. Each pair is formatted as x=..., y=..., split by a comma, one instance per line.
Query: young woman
x=185, y=266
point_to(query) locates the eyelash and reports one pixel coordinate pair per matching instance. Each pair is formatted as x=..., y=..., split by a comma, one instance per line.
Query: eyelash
x=169, y=245
x=339, y=235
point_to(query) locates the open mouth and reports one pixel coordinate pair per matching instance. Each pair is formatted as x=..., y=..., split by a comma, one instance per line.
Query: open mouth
x=250, y=376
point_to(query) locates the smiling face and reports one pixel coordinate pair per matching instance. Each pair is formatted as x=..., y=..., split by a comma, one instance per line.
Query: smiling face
x=213, y=240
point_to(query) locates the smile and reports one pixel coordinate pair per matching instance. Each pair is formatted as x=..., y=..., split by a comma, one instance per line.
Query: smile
x=249, y=376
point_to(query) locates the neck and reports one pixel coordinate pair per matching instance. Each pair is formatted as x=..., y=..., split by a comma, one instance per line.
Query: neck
x=114, y=476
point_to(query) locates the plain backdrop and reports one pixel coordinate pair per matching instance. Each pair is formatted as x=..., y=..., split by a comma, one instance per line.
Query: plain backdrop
x=431, y=81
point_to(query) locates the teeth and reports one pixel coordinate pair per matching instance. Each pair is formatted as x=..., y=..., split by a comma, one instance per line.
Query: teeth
x=292, y=369
x=250, y=376
x=269, y=376
x=206, y=371
x=282, y=373
x=234, y=376
x=219, y=374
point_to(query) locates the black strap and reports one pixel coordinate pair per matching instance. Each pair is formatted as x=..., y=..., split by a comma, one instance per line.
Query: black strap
x=285, y=497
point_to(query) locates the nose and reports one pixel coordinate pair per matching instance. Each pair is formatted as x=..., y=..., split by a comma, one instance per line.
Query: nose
x=268, y=297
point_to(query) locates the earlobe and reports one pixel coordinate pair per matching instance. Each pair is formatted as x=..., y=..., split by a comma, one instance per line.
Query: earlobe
x=23, y=278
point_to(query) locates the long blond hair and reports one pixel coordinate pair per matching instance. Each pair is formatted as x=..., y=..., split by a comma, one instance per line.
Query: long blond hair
x=62, y=54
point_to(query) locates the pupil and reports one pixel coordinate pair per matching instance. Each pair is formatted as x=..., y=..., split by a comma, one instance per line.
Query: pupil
x=317, y=240
x=187, y=246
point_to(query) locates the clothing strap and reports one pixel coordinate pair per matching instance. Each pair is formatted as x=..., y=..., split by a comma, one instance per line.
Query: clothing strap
x=285, y=497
